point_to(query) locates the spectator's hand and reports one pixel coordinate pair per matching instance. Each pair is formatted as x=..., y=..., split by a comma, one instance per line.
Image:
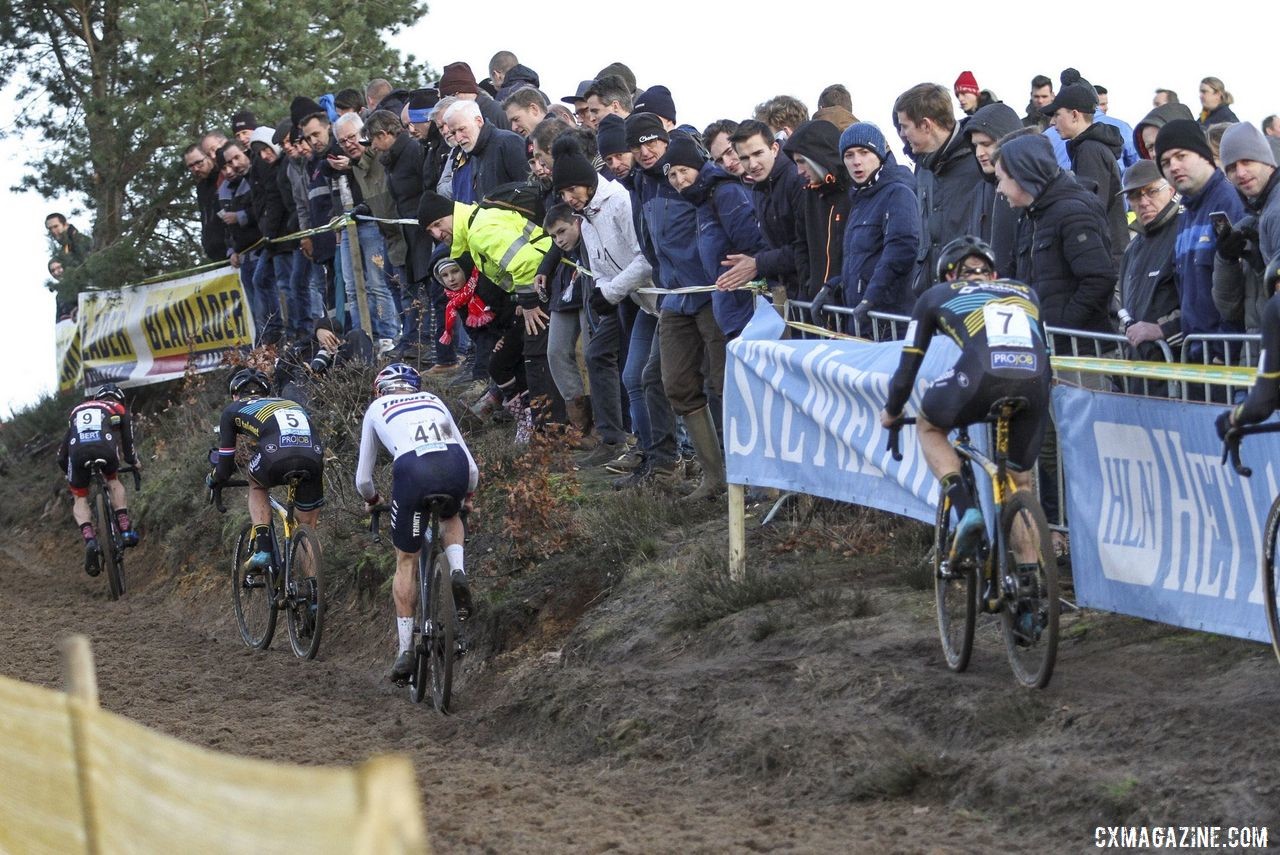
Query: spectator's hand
x=1233, y=244
x=820, y=301
x=535, y=320
x=860, y=312
x=362, y=210
x=888, y=421
x=1223, y=423
x=235, y=260
x=1141, y=331
x=328, y=340
x=340, y=162
x=540, y=285
x=305, y=244
x=228, y=217
x=600, y=303
x=742, y=269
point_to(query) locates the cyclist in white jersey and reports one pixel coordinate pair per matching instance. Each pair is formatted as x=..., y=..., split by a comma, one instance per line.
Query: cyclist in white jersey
x=431, y=459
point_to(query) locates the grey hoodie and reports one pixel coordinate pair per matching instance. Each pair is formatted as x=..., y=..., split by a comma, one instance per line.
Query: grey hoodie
x=612, y=247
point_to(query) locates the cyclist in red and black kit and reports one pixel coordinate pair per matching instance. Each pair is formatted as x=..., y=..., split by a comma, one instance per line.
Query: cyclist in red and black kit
x=1264, y=397
x=98, y=429
x=996, y=324
x=286, y=442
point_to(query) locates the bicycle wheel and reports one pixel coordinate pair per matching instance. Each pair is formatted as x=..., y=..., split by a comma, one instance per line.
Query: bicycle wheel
x=304, y=593
x=444, y=619
x=1269, y=571
x=955, y=590
x=1029, y=616
x=422, y=647
x=251, y=593
x=109, y=544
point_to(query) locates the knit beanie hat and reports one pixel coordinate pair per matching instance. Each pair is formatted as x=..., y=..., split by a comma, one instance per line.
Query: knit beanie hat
x=1182, y=133
x=658, y=100
x=458, y=77
x=611, y=135
x=243, y=121
x=431, y=207
x=301, y=107
x=282, y=132
x=569, y=166
x=682, y=151
x=1030, y=161
x=966, y=82
x=643, y=127
x=1242, y=141
x=864, y=135
x=422, y=105
x=621, y=70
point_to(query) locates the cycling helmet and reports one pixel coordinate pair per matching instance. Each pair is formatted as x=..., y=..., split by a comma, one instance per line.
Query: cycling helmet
x=105, y=391
x=396, y=377
x=961, y=248
x=247, y=377
x=1272, y=276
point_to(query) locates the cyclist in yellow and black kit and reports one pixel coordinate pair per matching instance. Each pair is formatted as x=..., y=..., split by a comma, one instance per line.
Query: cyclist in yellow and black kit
x=996, y=324
x=1264, y=397
x=286, y=442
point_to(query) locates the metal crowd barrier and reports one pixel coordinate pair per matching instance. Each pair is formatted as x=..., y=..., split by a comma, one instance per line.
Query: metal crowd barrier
x=1231, y=349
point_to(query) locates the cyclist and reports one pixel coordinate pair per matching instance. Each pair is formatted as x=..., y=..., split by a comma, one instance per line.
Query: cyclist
x=1265, y=394
x=996, y=324
x=286, y=442
x=431, y=458
x=92, y=435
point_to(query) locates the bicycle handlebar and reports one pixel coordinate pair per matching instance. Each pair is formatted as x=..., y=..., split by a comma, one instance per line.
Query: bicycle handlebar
x=215, y=493
x=375, y=517
x=137, y=476
x=1231, y=444
x=895, y=437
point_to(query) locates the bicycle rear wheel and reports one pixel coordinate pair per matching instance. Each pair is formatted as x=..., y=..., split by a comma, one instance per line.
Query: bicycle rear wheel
x=252, y=596
x=955, y=590
x=1029, y=617
x=444, y=619
x=422, y=649
x=109, y=545
x=1270, y=569
x=304, y=593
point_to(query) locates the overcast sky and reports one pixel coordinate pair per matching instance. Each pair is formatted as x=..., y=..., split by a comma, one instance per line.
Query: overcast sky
x=726, y=64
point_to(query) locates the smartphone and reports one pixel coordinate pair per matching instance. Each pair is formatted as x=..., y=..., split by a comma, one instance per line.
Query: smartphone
x=1221, y=223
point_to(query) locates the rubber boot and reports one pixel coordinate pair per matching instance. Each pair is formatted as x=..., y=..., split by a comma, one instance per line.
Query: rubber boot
x=579, y=413
x=702, y=432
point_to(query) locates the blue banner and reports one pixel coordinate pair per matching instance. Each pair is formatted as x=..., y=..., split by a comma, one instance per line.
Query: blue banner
x=1159, y=528
x=805, y=416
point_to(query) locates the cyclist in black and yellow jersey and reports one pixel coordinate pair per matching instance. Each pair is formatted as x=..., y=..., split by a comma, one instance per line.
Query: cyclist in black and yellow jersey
x=286, y=442
x=1264, y=397
x=996, y=324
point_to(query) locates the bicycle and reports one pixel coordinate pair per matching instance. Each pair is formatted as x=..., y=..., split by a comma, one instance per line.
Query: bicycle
x=1023, y=595
x=1270, y=533
x=437, y=639
x=100, y=507
x=292, y=582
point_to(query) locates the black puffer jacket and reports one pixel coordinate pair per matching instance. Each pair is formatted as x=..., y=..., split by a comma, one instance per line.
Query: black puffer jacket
x=949, y=186
x=1093, y=154
x=1148, y=288
x=403, y=165
x=826, y=205
x=995, y=221
x=779, y=204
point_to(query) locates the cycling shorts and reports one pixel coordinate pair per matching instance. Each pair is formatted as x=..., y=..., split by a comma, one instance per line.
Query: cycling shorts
x=78, y=474
x=416, y=477
x=271, y=464
x=963, y=397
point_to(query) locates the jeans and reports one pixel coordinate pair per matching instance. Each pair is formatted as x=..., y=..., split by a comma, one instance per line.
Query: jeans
x=565, y=327
x=661, y=449
x=642, y=335
x=604, y=373
x=382, y=309
x=298, y=296
x=258, y=277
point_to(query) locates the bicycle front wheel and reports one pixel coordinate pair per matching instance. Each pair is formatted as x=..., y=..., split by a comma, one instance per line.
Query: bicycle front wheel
x=422, y=649
x=955, y=590
x=304, y=593
x=251, y=594
x=1029, y=617
x=1270, y=568
x=109, y=546
x=444, y=619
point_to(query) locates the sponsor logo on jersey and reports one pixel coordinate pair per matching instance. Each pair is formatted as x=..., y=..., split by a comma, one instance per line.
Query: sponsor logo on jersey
x=270, y=448
x=962, y=379
x=295, y=439
x=90, y=436
x=1021, y=361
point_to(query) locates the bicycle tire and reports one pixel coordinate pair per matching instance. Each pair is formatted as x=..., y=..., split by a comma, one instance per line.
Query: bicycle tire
x=955, y=595
x=254, y=603
x=1029, y=616
x=1269, y=570
x=422, y=648
x=112, y=560
x=444, y=618
x=304, y=593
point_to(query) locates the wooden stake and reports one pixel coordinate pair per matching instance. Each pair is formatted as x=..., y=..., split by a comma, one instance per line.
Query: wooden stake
x=737, y=532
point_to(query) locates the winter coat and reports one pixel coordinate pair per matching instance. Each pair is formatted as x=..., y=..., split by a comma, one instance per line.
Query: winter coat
x=948, y=190
x=213, y=233
x=492, y=112
x=1129, y=154
x=394, y=101
x=1239, y=292
x=402, y=166
x=671, y=229
x=498, y=157
x=565, y=283
x=1148, y=287
x=268, y=205
x=1158, y=118
x=371, y=176
x=285, y=187
x=1094, y=152
x=726, y=225
x=826, y=205
x=1221, y=113
x=505, y=246
x=1194, y=251
x=518, y=77
x=320, y=208
x=612, y=247
x=995, y=222
x=838, y=116
x=880, y=241
x=236, y=196
x=779, y=204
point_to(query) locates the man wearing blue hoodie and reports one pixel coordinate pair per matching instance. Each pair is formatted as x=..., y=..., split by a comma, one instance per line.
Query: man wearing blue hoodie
x=882, y=232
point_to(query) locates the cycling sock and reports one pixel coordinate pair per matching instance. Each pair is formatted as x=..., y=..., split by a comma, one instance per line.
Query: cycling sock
x=404, y=628
x=86, y=531
x=122, y=519
x=262, y=537
x=453, y=554
x=961, y=501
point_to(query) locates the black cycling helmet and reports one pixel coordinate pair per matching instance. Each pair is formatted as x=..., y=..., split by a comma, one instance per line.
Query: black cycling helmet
x=247, y=377
x=961, y=248
x=1272, y=276
x=106, y=391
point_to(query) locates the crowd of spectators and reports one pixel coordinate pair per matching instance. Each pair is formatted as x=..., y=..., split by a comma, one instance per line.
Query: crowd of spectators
x=510, y=240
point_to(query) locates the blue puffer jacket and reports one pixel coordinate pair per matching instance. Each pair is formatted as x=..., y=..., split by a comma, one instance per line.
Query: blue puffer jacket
x=726, y=224
x=1193, y=253
x=881, y=237
x=671, y=223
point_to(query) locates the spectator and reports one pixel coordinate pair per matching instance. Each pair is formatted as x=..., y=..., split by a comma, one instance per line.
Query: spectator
x=459, y=82
x=374, y=91
x=814, y=148
x=835, y=95
x=578, y=100
x=611, y=143
x=984, y=130
x=1271, y=126
x=486, y=156
x=778, y=196
x=516, y=78
x=243, y=124
x=211, y=142
x=1129, y=156
x=348, y=101
x=1215, y=103
x=65, y=301
x=499, y=64
x=313, y=122
x=971, y=98
x=66, y=242
x=1148, y=287
x=1185, y=160
x=1041, y=95
x=608, y=95
x=1144, y=134
x=782, y=113
x=213, y=239
x=307, y=285
x=565, y=275
x=716, y=135
x=525, y=108
x=657, y=101
x=1238, y=289
x=619, y=69
x=1164, y=96
x=243, y=234
x=948, y=180
x=274, y=271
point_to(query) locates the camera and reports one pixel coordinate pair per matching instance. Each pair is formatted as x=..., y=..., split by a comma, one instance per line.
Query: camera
x=322, y=361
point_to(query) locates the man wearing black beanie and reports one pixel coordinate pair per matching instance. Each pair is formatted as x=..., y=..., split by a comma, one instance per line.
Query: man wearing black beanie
x=815, y=149
x=611, y=141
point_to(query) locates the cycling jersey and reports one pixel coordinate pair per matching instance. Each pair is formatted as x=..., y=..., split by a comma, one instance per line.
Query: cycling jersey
x=286, y=443
x=997, y=327
x=1265, y=394
x=96, y=430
